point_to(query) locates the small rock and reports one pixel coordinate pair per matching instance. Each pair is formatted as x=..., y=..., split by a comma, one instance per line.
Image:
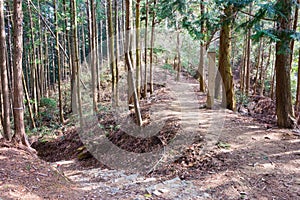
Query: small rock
x=157, y=193
x=206, y=195
x=163, y=190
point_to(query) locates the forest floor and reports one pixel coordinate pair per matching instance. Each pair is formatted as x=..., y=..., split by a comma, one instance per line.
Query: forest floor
x=225, y=155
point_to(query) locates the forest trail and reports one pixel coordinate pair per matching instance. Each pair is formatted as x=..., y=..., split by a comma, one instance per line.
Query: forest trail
x=217, y=154
x=221, y=155
x=204, y=125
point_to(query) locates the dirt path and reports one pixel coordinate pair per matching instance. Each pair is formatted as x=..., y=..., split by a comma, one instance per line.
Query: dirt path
x=219, y=155
x=216, y=154
x=195, y=123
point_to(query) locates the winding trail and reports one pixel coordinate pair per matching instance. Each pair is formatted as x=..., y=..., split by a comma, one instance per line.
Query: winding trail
x=253, y=163
x=117, y=184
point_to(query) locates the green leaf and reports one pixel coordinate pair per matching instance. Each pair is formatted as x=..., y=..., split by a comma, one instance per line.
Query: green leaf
x=223, y=145
x=295, y=36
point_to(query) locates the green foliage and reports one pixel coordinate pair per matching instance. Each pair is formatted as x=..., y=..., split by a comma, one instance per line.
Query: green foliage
x=48, y=103
x=241, y=98
x=158, y=51
x=223, y=145
x=169, y=68
x=295, y=36
x=48, y=110
x=268, y=33
x=102, y=108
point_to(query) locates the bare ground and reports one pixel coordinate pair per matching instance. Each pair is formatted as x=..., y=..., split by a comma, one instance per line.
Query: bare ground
x=240, y=157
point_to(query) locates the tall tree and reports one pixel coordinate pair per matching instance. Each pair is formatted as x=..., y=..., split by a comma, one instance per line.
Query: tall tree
x=4, y=79
x=93, y=50
x=117, y=41
x=19, y=137
x=152, y=46
x=298, y=87
x=284, y=108
x=33, y=60
x=111, y=49
x=75, y=61
x=225, y=70
x=58, y=62
x=138, y=52
x=201, y=61
x=248, y=58
x=146, y=50
x=131, y=86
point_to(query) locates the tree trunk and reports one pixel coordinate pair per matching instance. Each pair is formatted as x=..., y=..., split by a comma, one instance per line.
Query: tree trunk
x=264, y=70
x=201, y=59
x=19, y=137
x=243, y=68
x=146, y=51
x=41, y=65
x=178, y=54
x=138, y=52
x=10, y=52
x=258, y=65
x=228, y=98
x=28, y=102
x=151, y=48
x=117, y=52
x=34, y=63
x=284, y=108
x=75, y=61
x=93, y=50
x=107, y=33
x=248, y=61
x=129, y=65
x=47, y=66
x=298, y=88
x=4, y=80
x=111, y=48
x=294, y=29
x=58, y=63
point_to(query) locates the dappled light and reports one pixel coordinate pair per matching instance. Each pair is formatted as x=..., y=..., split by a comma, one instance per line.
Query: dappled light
x=149, y=99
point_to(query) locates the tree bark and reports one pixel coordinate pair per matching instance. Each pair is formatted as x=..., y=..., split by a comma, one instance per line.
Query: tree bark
x=263, y=74
x=243, y=68
x=111, y=48
x=34, y=63
x=75, y=62
x=146, y=51
x=129, y=65
x=228, y=98
x=178, y=54
x=28, y=102
x=138, y=52
x=19, y=137
x=248, y=60
x=4, y=79
x=258, y=65
x=298, y=87
x=201, y=59
x=117, y=52
x=58, y=63
x=151, y=47
x=93, y=50
x=284, y=108
x=295, y=23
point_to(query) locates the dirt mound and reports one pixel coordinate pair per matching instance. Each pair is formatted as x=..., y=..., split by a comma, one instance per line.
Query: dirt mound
x=69, y=145
x=23, y=176
x=261, y=108
x=262, y=105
